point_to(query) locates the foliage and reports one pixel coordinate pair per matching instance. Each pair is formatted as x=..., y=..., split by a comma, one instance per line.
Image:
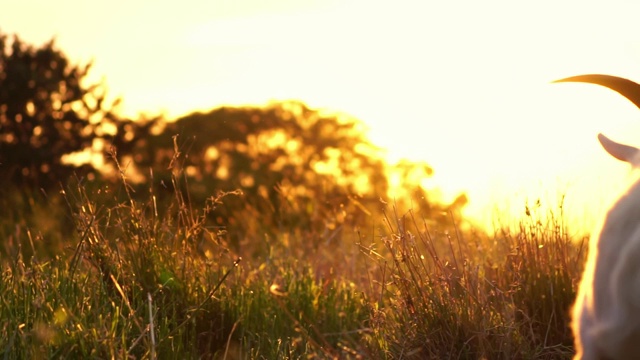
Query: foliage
x=138, y=282
x=505, y=297
x=403, y=291
x=297, y=168
x=300, y=170
x=147, y=270
x=46, y=112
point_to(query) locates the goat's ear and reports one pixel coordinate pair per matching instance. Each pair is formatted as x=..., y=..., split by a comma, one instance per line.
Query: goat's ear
x=619, y=151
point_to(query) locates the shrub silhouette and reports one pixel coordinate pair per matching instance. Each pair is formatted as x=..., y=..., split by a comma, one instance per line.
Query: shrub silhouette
x=299, y=169
x=45, y=113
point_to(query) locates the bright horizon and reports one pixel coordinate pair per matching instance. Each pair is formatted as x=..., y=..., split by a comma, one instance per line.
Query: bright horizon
x=463, y=85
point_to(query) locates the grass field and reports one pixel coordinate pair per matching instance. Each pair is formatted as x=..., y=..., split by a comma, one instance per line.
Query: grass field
x=97, y=273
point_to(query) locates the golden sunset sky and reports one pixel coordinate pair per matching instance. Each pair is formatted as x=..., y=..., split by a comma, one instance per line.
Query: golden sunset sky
x=462, y=85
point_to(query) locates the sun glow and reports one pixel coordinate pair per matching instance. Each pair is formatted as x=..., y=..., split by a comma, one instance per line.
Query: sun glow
x=464, y=86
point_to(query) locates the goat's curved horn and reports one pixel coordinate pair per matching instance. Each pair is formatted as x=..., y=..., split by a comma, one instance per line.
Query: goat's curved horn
x=624, y=87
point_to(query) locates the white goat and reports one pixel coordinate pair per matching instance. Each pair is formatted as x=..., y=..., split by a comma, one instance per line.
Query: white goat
x=606, y=314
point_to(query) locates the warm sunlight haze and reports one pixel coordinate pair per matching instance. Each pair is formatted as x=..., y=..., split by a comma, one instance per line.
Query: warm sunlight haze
x=464, y=86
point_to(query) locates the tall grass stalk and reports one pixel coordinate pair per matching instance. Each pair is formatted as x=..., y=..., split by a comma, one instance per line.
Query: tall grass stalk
x=448, y=295
x=139, y=278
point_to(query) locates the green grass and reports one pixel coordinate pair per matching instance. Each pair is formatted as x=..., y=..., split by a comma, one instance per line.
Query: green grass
x=97, y=273
x=503, y=297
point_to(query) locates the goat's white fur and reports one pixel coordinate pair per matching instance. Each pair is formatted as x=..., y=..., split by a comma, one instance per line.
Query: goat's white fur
x=606, y=315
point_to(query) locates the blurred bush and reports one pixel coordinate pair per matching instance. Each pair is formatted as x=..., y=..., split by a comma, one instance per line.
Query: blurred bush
x=46, y=113
x=296, y=167
x=300, y=170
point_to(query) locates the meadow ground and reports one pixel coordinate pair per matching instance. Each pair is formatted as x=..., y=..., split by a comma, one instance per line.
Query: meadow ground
x=95, y=273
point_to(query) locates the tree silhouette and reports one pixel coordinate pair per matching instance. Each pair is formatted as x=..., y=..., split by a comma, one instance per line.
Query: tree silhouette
x=45, y=113
x=296, y=166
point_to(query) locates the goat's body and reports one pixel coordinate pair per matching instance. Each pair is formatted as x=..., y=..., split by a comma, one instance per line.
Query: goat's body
x=606, y=316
